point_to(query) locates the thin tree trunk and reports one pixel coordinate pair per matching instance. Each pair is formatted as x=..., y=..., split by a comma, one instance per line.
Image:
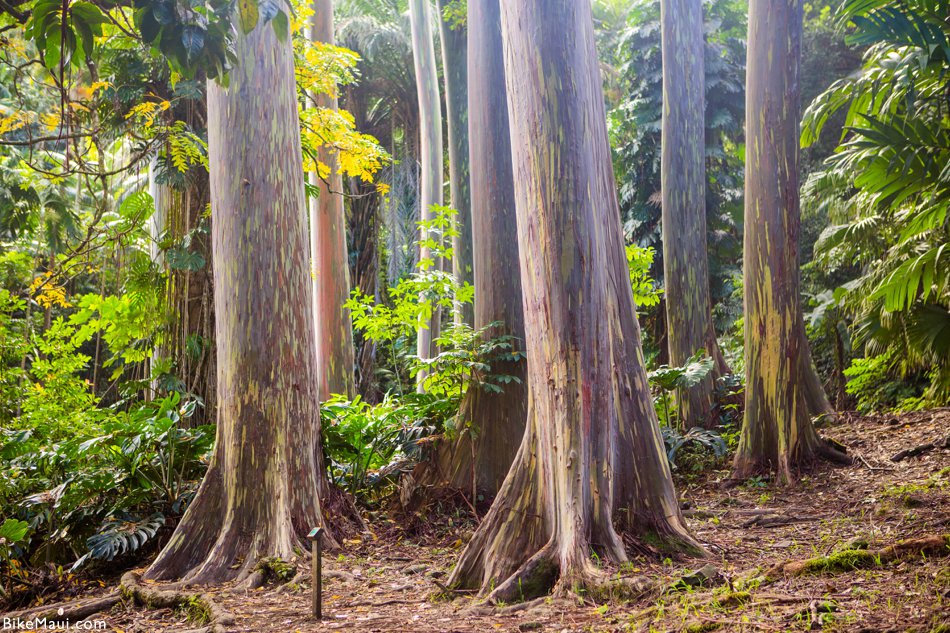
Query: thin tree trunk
x=259, y=495
x=187, y=336
x=494, y=421
x=777, y=433
x=364, y=232
x=455, y=71
x=592, y=443
x=166, y=201
x=683, y=177
x=430, y=148
x=331, y=279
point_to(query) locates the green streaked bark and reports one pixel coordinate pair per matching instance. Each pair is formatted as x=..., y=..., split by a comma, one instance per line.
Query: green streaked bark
x=777, y=433
x=430, y=147
x=592, y=444
x=482, y=455
x=683, y=177
x=455, y=73
x=259, y=495
x=331, y=272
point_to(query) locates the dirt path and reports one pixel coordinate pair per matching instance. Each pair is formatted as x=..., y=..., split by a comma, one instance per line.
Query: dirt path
x=388, y=584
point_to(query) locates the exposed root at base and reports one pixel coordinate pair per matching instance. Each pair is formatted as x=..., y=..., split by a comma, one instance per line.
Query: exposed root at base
x=68, y=611
x=834, y=452
x=541, y=575
x=847, y=560
x=216, y=618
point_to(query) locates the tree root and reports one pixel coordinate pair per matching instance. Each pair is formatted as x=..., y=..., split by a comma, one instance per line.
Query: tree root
x=833, y=451
x=773, y=519
x=919, y=450
x=215, y=617
x=68, y=611
x=542, y=574
x=847, y=560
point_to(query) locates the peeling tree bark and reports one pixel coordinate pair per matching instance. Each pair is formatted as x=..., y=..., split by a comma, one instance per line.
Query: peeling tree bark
x=592, y=444
x=455, y=71
x=430, y=148
x=331, y=271
x=259, y=495
x=482, y=454
x=777, y=433
x=683, y=177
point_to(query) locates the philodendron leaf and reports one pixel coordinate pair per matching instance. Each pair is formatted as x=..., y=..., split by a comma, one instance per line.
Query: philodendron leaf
x=193, y=39
x=14, y=531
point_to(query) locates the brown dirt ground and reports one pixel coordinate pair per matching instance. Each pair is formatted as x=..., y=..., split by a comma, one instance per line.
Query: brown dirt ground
x=389, y=583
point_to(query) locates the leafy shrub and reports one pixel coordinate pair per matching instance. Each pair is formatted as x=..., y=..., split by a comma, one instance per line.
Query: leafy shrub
x=703, y=439
x=665, y=380
x=126, y=473
x=877, y=384
x=366, y=446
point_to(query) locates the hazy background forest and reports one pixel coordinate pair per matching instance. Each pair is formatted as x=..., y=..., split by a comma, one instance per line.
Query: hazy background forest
x=318, y=265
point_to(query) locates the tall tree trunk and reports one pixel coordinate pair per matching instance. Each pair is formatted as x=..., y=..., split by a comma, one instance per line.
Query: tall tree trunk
x=455, y=71
x=430, y=150
x=683, y=177
x=259, y=495
x=592, y=443
x=777, y=433
x=331, y=279
x=188, y=331
x=364, y=225
x=482, y=455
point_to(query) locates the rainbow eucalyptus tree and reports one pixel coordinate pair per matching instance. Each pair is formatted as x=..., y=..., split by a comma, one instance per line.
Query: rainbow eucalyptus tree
x=430, y=149
x=260, y=492
x=591, y=467
x=777, y=433
x=482, y=455
x=328, y=251
x=683, y=184
x=452, y=31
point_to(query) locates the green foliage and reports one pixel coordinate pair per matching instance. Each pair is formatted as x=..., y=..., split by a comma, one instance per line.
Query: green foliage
x=689, y=375
x=631, y=49
x=121, y=535
x=455, y=13
x=664, y=380
x=466, y=355
x=367, y=446
x=126, y=471
x=876, y=383
x=704, y=439
x=886, y=191
x=645, y=291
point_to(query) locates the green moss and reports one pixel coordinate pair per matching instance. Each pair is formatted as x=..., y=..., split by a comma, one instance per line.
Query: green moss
x=845, y=560
x=276, y=570
x=702, y=627
x=733, y=599
x=195, y=609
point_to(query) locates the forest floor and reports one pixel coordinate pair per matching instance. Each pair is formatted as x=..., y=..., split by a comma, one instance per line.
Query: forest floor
x=390, y=583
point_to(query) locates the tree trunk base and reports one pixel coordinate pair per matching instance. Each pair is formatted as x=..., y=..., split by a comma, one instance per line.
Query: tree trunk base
x=824, y=449
x=216, y=617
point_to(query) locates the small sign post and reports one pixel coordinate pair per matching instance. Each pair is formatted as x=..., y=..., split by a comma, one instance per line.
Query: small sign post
x=316, y=550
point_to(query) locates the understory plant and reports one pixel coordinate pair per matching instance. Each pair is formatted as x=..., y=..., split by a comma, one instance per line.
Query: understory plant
x=367, y=444
x=664, y=380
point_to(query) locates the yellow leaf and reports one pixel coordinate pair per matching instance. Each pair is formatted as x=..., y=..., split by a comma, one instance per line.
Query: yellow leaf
x=247, y=10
